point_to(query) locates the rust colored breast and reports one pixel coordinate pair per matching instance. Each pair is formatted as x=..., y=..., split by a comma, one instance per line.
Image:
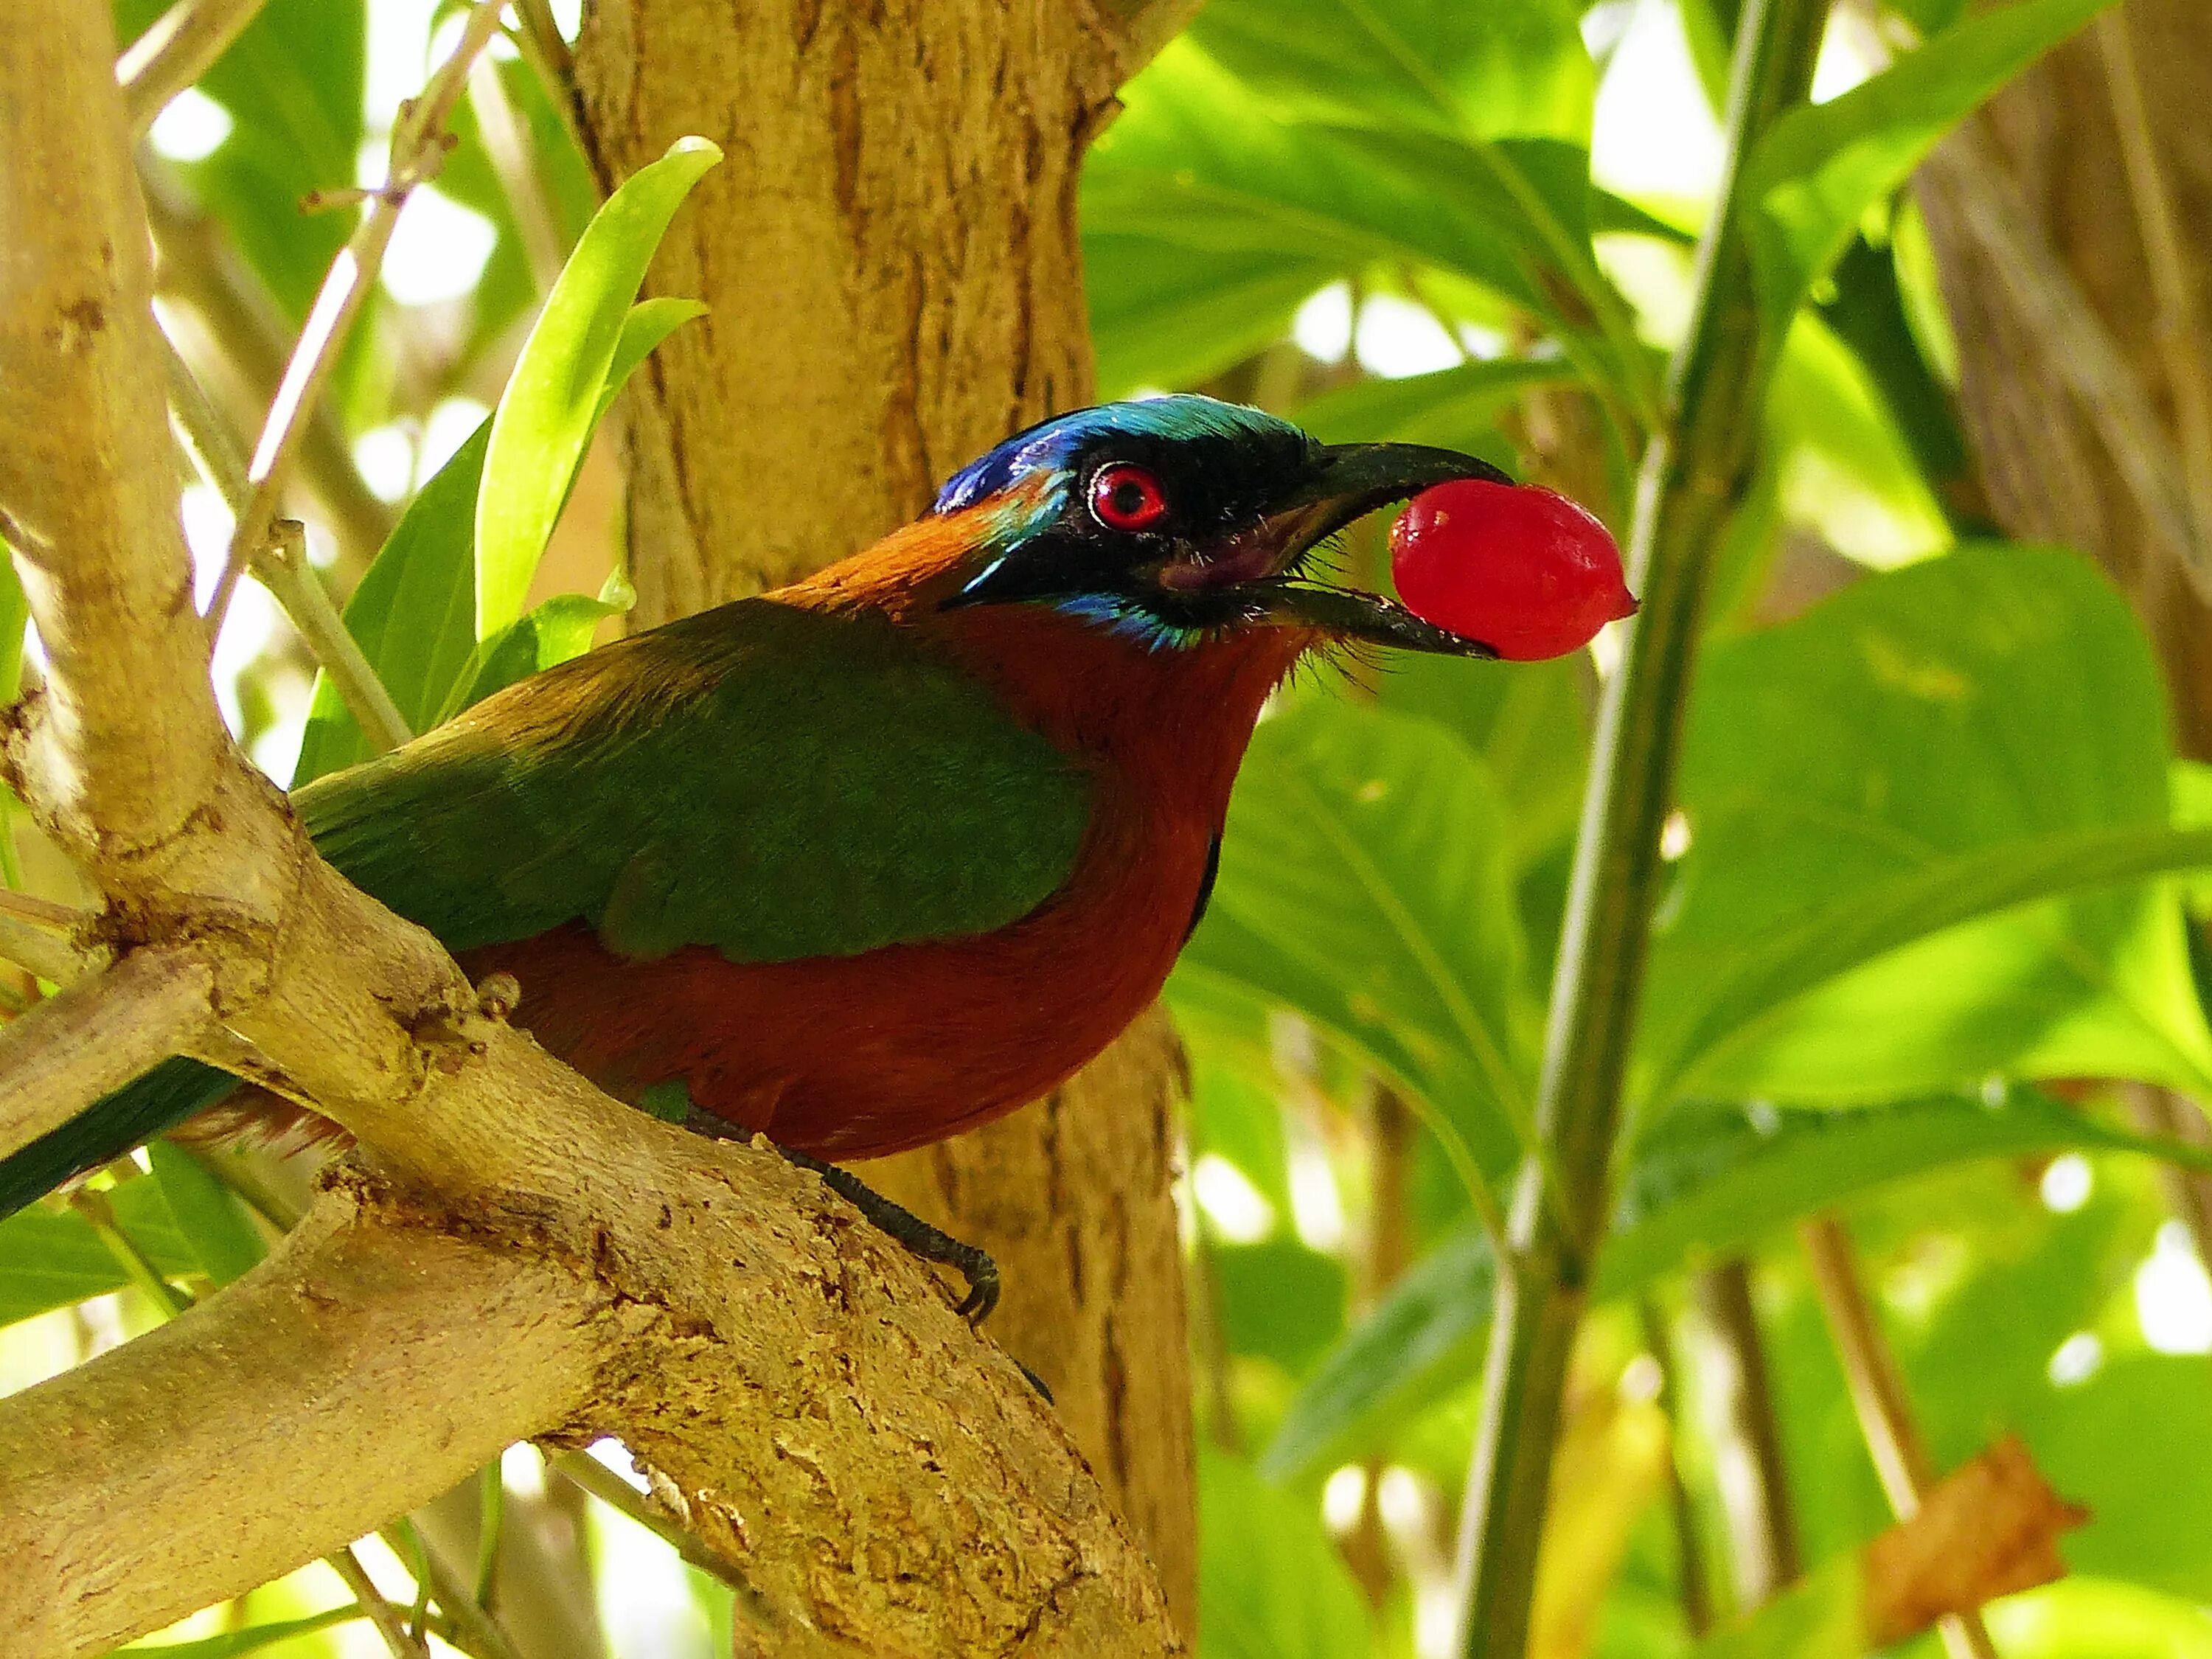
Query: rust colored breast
x=861, y=1056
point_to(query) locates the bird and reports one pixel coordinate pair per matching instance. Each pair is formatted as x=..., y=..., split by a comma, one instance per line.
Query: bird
x=876, y=857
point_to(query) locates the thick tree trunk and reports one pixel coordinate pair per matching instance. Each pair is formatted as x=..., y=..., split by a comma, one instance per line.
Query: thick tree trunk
x=891, y=256
x=2077, y=372
x=2072, y=223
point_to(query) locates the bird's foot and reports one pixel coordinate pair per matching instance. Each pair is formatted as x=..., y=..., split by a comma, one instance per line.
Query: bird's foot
x=930, y=1244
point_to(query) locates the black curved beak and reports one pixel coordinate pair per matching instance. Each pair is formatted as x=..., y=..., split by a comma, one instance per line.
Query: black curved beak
x=1353, y=481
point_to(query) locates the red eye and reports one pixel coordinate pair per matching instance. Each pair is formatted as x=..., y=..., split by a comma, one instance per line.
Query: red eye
x=1127, y=498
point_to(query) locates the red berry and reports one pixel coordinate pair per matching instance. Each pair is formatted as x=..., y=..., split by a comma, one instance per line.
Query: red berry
x=1524, y=570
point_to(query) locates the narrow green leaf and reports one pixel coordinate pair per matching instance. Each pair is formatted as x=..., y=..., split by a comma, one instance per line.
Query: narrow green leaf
x=208, y=1213
x=15, y=618
x=553, y=632
x=414, y=610
x=413, y=614
x=51, y=1259
x=1821, y=166
x=545, y=417
x=649, y=323
x=252, y=1639
x=1420, y=1342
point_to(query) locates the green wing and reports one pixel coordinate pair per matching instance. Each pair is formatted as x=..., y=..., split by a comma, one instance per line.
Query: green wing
x=774, y=782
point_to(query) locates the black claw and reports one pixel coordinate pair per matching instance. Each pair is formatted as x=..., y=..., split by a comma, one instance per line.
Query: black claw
x=929, y=1242
x=1036, y=1382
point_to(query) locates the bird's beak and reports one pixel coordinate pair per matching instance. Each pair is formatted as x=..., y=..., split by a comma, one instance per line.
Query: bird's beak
x=1353, y=481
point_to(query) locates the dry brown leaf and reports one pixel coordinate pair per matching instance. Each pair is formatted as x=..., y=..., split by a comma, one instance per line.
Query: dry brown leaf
x=1989, y=1528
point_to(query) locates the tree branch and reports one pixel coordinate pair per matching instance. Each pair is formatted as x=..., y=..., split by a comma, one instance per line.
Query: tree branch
x=40, y=935
x=183, y=42
x=97, y=1036
x=418, y=144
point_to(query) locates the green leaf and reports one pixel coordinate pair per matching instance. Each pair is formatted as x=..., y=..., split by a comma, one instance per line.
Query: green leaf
x=51, y=1259
x=252, y=1639
x=1363, y=883
x=1280, y=1300
x=15, y=619
x=1816, y=1618
x=1819, y=167
x=1713, y=1181
x=1852, y=932
x=1197, y=164
x=649, y=323
x=545, y=417
x=1843, y=462
x=1271, y=1585
x=1234, y=1116
x=414, y=610
x=2084, y=1617
x=1165, y=314
x=208, y=1213
x=1939, y=743
x=555, y=631
x=1423, y=1339
x=1457, y=408
x=413, y=614
x=1705, y=1183
x=1488, y=72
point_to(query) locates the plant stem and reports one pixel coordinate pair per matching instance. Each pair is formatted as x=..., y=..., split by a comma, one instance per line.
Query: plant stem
x=1694, y=472
x=180, y=46
x=419, y=143
x=281, y=561
x=1754, y=1487
x=1879, y=1399
x=1694, y=1588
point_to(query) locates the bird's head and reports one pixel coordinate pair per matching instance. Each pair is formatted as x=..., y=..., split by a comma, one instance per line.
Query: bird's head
x=1177, y=520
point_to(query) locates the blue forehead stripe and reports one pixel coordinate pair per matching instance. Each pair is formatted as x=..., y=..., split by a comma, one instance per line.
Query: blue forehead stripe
x=1182, y=417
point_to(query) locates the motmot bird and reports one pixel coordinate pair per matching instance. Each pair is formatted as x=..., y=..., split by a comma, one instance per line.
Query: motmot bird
x=878, y=856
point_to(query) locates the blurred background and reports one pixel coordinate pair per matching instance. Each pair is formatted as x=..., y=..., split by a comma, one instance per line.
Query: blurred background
x=1955, y=623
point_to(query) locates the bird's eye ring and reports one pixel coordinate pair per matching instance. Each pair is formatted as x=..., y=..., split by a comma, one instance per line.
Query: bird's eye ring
x=1127, y=497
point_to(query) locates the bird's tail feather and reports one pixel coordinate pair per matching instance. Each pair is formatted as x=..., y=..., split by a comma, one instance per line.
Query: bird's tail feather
x=173, y=1091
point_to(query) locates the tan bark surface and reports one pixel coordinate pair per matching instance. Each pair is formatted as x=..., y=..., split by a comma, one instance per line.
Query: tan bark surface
x=890, y=255
x=2050, y=272
x=513, y=1255
x=2072, y=223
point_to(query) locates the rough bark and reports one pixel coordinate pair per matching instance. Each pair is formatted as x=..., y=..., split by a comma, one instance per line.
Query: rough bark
x=892, y=259
x=513, y=1254
x=2072, y=225
x=1074, y=1195
x=2045, y=160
